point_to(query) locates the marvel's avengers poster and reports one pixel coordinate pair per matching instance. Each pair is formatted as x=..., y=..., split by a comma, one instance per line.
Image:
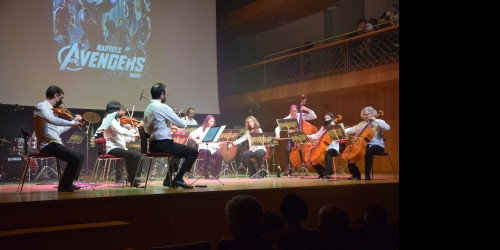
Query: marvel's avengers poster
x=107, y=37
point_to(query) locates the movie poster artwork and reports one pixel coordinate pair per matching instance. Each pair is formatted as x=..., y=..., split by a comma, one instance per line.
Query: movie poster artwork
x=111, y=37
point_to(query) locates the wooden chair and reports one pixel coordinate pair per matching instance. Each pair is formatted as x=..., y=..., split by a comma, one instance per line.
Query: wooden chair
x=36, y=156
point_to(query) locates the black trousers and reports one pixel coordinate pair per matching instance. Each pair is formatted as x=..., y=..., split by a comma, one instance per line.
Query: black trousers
x=180, y=151
x=370, y=151
x=132, y=161
x=258, y=155
x=73, y=159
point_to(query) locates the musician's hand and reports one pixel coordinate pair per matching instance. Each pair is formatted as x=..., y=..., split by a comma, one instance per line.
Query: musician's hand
x=304, y=108
x=230, y=145
x=140, y=124
x=78, y=124
x=128, y=126
x=78, y=118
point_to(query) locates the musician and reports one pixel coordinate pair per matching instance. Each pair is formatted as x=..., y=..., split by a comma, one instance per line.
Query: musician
x=331, y=151
x=189, y=118
x=48, y=129
x=197, y=135
x=375, y=146
x=294, y=114
x=117, y=135
x=256, y=152
x=156, y=116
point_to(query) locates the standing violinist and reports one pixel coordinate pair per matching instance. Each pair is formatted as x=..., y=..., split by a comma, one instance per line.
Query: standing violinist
x=294, y=114
x=212, y=147
x=331, y=151
x=117, y=135
x=48, y=130
x=376, y=144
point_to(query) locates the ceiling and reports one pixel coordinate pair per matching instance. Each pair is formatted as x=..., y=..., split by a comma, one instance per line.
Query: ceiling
x=252, y=17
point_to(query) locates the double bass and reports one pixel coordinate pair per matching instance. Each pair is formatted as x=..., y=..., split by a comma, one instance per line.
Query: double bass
x=357, y=149
x=297, y=152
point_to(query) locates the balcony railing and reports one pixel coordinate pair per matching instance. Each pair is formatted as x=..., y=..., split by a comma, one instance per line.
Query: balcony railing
x=368, y=50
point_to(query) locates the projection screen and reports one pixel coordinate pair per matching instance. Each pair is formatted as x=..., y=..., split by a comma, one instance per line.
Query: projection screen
x=102, y=50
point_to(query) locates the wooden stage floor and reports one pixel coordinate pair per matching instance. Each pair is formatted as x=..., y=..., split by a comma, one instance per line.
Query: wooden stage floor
x=47, y=190
x=160, y=216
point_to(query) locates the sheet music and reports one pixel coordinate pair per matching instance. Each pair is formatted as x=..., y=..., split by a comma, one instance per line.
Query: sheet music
x=229, y=135
x=298, y=137
x=287, y=124
x=263, y=139
x=337, y=132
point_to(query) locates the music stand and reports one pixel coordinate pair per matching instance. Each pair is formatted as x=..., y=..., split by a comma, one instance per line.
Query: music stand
x=287, y=125
x=300, y=138
x=211, y=135
x=262, y=139
x=190, y=128
x=337, y=132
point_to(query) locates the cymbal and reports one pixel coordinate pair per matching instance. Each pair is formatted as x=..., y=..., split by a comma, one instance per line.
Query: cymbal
x=4, y=140
x=91, y=117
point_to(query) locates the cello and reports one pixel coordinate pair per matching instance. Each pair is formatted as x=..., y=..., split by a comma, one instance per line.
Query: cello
x=357, y=149
x=318, y=151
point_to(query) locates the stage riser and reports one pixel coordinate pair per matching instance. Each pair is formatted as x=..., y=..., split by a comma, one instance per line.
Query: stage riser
x=181, y=217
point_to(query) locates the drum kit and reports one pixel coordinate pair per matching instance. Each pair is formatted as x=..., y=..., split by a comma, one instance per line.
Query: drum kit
x=12, y=163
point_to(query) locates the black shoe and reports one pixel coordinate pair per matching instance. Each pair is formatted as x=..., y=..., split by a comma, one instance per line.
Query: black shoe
x=75, y=187
x=166, y=183
x=354, y=178
x=181, y=183
x=65, y=189
x=368, y=178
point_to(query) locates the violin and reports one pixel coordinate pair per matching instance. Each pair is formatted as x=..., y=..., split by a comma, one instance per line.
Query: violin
x=127, y=120
x=62, y=110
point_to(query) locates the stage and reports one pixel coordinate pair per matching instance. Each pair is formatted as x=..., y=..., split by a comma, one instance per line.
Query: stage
x=109, y=216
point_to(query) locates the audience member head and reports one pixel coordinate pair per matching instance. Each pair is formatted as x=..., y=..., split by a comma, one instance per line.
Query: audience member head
x=376, y=215
x=333, y=221
x=293, y=209
x=244, y=213
x=271, y=222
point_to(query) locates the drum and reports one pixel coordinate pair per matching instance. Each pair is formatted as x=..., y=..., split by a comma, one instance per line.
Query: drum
x=12, y=167
x=17, y=146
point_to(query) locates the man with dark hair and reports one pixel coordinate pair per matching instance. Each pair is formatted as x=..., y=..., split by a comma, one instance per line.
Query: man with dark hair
x=48, y=128
x=158, y=117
